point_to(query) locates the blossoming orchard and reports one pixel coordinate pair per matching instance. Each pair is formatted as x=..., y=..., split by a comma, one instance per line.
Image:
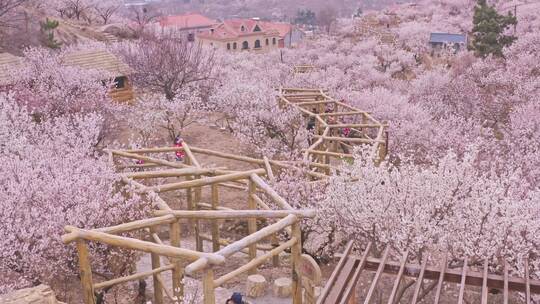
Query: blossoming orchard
x=283, y=152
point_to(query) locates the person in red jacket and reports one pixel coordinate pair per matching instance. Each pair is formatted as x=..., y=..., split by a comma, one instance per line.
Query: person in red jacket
x=179, y=153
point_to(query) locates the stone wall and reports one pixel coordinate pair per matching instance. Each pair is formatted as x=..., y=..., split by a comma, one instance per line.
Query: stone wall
x=41, y=294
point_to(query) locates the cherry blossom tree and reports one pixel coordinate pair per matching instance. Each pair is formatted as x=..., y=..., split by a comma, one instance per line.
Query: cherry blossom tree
x=53, y=177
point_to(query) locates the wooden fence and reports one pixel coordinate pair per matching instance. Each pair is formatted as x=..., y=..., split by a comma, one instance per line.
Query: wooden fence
x=191, y=176
x=337, y=127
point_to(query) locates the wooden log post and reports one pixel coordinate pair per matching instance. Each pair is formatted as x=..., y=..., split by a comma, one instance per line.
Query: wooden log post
x=86, y=272
x=252, y=222
x=197, y=200
x=158, y=288
x=215, y=222
x=296, y=252
x=208, y=287
x=178, y=270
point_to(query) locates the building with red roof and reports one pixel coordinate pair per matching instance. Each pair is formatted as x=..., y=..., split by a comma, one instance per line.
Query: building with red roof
x=249, y=34
x=190, y=24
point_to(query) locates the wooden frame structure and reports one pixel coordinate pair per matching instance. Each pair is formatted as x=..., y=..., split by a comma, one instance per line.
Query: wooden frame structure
x=329, y=119
x=341, y=287
x=303, y=68
x=192, y=177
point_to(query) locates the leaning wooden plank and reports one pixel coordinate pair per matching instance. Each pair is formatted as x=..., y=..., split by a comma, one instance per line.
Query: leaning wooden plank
x=441, y=279
x=237, y=214
x=133, y=277
x=243, y=243
x=345, y=275
x=505, y=289
x=281, y=202
x=527, y=282
x=463, y=281
x=398, y=278
x=349, y=292
x=254, y=263
x=206, y=206
x=377, y=277
x=224, y=242
x=205, y=181
x=131, y=243
x=269, y=171
x=189, y=154
x=484, y=282
x=419, y=281
x=162, y=284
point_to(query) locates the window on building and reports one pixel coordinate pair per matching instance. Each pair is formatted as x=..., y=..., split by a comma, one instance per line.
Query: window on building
x=120, y=82
x=257, y=44
x=191, y=37
x=257, y=28
x=243, y=28
x=274, y=41
x=245, y=45
x=234, y=46
x=267, y=41
x=228, y=46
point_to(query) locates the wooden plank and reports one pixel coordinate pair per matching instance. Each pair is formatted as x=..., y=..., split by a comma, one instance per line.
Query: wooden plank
x=442, y=273
x=281, y=202
x=335, y=273
x=527, y=282
x=377, y=277
x=484, y=283
x=393, y=294
x=350, y=292
x=269, y=171
x=178, y=271
x=158, y=287
x=209, y=296
x=463, y=280
x=252, y=223
x=505, y=289
x=133, y=277
x=419, y=281
x=215, y=224
x=296, y=255
x=339, y=285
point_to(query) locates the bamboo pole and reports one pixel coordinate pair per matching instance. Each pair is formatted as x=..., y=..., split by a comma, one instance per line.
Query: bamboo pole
x=85, y=272
x=253, y=264
x=130, y=243
x=243, y=243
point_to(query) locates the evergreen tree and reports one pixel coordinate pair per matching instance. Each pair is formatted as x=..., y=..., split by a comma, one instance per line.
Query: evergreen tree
x=489, y=29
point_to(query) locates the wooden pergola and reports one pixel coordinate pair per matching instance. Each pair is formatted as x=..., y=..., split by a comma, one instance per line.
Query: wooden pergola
x=337, y=127
x=342, y=285
x=146, y=170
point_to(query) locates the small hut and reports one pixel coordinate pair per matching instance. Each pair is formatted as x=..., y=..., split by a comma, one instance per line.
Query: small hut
x=7, y=62
x=105, y=61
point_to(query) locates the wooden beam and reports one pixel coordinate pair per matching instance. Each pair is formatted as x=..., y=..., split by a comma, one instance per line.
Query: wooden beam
x=527, y=282
x=133, y=277
x=205, y=181
x=85, y=273
x=189, y=154
x=377, y=277
x=243, y=243
x=350, y=139
x=237, y=214
x=158, y=284
x=505, y=289
x=131, y=243
x=254, y=263
x=350, y=291
x=281, y=202
x=419, y=281
x=398, y=278
x=170, y=173
x=252, y=223
x=150, y=159
x=484, y=283
x=442, y=272
x=463, y=280
x=215, y=224
x=269, y=171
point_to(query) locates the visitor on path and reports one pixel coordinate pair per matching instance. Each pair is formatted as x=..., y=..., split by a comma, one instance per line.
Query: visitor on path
x=236, y=298
x=180, y=153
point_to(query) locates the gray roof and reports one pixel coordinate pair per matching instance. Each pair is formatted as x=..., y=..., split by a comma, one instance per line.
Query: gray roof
x=447, y=38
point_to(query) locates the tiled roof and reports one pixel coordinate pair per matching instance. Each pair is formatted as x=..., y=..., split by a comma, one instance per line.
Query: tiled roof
x=447, y=38
x=7, y=62
x=187, y=21
x=232, y=28
x=98, y=60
